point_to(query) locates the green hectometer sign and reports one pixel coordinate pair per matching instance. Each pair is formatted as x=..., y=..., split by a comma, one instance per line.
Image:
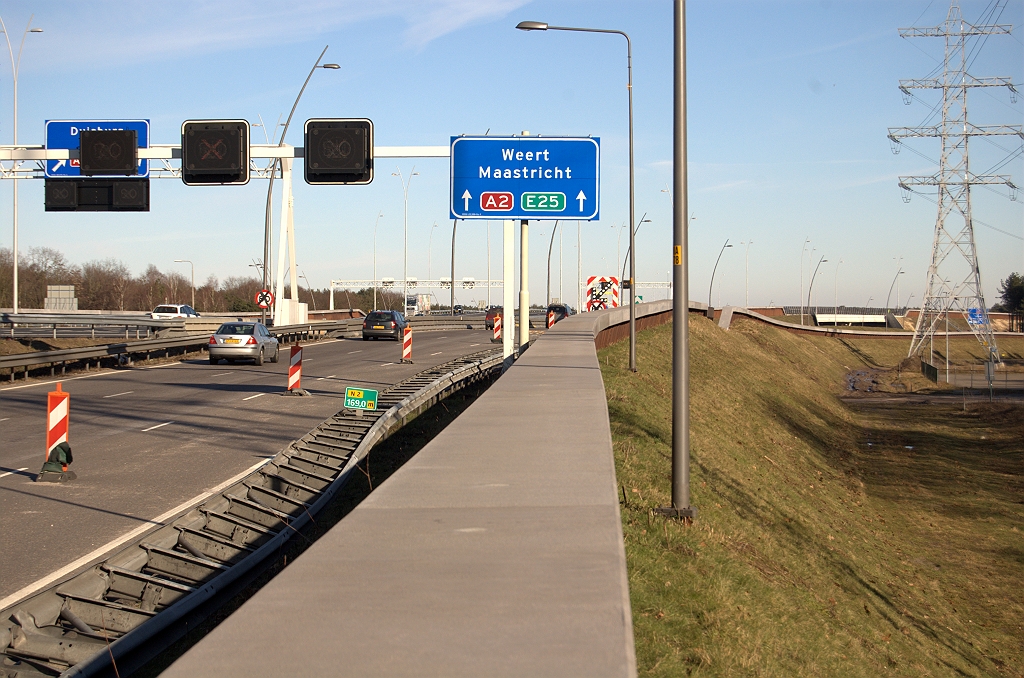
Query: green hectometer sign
x=360, y=398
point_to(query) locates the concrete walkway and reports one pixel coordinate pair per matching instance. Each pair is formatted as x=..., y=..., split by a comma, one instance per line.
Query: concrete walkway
x=496, y=551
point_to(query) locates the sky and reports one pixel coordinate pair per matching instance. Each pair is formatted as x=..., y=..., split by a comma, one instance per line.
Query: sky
x=789, y=103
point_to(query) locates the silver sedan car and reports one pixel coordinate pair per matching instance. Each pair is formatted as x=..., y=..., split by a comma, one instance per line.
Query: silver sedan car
x=243, y=341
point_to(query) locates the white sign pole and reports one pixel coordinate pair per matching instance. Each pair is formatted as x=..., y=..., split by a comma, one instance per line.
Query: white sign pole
x=508, y=312
x=281, y=242
x=524, y=286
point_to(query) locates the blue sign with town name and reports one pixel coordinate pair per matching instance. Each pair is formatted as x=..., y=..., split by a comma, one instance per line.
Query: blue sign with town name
x=525, y=177
x=64, y=134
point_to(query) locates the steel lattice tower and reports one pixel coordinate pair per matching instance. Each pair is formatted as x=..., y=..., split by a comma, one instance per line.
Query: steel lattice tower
x=954, y=277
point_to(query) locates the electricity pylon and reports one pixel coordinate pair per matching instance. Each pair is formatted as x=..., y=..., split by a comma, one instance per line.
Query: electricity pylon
x=954, y=276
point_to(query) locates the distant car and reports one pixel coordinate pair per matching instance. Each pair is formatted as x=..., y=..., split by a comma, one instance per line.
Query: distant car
x=458, y=309
x=388, y=324
x=561, y=311
x=168, y=311
x=243, y=340
x=492, y=311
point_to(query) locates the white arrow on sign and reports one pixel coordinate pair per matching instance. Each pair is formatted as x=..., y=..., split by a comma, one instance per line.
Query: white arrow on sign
x=60, y=163
x=466, y=197
x=581, y=197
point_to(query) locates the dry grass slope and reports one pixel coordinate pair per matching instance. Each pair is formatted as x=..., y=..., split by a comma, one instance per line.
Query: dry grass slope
x=825, y=545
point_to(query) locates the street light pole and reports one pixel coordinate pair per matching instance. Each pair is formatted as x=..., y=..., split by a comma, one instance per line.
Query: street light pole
x=541, y=26
x=802, y=252
x=895, y=278
x=712, y=285
x=186, y=261
x=430, y=244
x=681, y=507
x=550, y=246
x=380, y=213
x=268, y=226
x=810, y=287
x=310, y=288
x=15, y=67
x=405, y=268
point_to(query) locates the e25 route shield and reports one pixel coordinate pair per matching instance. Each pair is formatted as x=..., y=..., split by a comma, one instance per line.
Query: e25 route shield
x=525, y=178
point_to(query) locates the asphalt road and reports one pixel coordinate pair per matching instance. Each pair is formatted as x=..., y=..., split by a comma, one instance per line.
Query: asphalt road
x=147, y=440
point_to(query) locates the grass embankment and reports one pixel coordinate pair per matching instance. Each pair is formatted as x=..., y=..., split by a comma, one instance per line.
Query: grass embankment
x=878, y=537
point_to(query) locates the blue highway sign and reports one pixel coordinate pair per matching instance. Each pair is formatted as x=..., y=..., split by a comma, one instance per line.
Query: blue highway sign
x=64, y=134
x=975, y=316
x=525, y=177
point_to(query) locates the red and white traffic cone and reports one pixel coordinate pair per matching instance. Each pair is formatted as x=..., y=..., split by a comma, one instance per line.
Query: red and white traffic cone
x=295, y=369
x=57, y=406
x=58, y=452
x=551, y=319
x=407, y=345
x=497, y=329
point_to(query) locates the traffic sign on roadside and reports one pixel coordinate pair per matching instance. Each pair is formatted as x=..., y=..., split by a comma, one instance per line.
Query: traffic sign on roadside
x=65, y=134
x=360, y=398
x=525, y=177
x=264, y=298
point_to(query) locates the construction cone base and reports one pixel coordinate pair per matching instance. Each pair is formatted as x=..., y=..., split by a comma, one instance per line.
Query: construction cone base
x=52, y=477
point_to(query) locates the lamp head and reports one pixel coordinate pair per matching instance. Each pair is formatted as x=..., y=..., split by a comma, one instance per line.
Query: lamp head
x=532, y=26
x=331, y=66
x=35, y=30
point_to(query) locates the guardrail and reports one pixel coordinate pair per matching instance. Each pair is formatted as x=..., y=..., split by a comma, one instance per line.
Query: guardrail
x=81, y=625
x=71, y=320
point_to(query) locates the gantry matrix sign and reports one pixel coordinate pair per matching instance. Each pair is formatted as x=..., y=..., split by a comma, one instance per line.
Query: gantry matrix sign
x=525, y=177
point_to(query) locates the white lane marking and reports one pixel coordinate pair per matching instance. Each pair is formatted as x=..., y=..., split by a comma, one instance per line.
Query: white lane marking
x=156, y=367
x=433, y=354
x=4, y=475
x=330, y=376
x=5, y=419
x=35, y=586
x=306, y=360
x=386, y=364
x=103, y=373
x=114, y=395
x=472, y=345
x=157, y=426
x=359, y=351
x=221, y=374
x=254, y=396
x=321, y=343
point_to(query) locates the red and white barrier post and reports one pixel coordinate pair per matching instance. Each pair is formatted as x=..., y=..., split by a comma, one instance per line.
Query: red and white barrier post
x=551, y=319
x=57, y=406
x=407, y=345
x=295, y=369
x=497, y=329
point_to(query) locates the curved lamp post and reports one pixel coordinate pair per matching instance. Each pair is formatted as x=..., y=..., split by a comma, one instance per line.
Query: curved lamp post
x=713, y=271
x=810, y=287
x=746, y=273
x=550, y=246
x=15, y=67
x=541, y=26
x=894, y=279
x=274, y=165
